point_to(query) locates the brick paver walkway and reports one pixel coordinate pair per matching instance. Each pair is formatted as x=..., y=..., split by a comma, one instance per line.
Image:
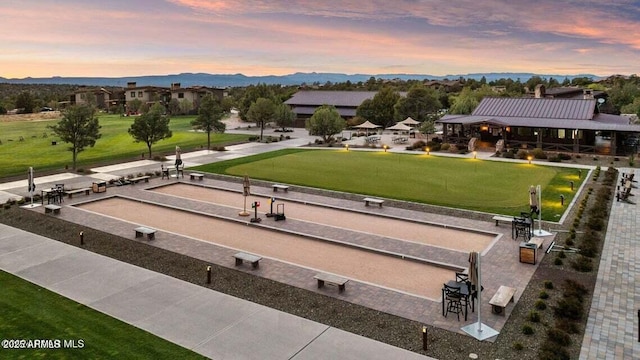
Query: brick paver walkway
x=612, y=327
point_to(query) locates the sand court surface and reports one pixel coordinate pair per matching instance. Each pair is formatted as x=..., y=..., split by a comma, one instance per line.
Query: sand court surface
x=410, y=277
x=448, y=238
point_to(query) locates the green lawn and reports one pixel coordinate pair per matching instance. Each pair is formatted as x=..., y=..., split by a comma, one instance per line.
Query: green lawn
x=486, y=186
x=115, y=144
x=30, y=312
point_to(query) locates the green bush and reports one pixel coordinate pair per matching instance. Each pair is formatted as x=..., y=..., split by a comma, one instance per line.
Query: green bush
x=568, y=326
x=538, y=153
x=540, y=305
x=534, y=316
x=574, y=289
x=569, y=308
x=508, y=155
x=517, y=346
x=445, y=147
x=522, y=154
x=562, y=255
x=548, y=284
x=527, y=329
x=553, y=351
x=559, y=337
x=582, y=264
x=557, y=261
x=543, y=295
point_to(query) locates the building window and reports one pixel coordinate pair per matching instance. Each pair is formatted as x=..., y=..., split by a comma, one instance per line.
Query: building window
x=133, y=94
x=180, y=95
x=140, y=94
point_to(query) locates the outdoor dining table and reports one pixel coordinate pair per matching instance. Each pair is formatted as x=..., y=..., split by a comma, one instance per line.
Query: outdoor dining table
x=464, y=291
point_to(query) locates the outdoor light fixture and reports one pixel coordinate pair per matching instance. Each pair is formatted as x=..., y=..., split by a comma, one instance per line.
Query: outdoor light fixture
x=427, y=150
x=385, y=148
x=347, y=147
x=529, y=158
x=475, y=153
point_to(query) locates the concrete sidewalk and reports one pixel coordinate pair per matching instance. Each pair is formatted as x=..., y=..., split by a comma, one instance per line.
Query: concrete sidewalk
x=210, y=323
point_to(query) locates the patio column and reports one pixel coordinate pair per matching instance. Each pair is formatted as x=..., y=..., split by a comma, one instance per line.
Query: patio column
x=539, y=139
x=613, y=143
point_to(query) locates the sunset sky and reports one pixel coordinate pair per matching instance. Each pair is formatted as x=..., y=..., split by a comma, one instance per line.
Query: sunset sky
x=117, y=38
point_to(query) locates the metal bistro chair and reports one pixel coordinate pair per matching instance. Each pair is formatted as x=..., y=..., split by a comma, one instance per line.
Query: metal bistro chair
x=521, y=228
x=454, y=300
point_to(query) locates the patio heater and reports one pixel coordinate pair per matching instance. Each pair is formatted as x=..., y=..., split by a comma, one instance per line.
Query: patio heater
x=478, y=330
x=539, y=231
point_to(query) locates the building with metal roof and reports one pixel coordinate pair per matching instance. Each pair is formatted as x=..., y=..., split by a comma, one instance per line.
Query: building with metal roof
x=572, y=125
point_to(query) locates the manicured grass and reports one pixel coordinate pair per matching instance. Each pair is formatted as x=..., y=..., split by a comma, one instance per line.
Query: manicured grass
x=486, y=186
x=35, y=148
x=30, y=312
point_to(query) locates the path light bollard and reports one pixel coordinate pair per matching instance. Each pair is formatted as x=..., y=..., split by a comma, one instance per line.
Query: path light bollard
x=424, y=335
x=561, y=200
x=81, y=237
x=579, y=174
x=208, y=274
x=571, y=182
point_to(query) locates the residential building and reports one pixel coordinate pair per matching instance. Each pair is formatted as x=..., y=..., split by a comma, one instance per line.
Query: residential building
x=100, y=96
x=195, y=93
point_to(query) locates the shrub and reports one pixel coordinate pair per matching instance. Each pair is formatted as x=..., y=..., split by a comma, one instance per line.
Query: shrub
x=569, y=308
x=562, y=255
x=568, y=326
x=254, y=138
x=552, y=351
x=517, y=346
x=522, y=154
x=543, y=295
x=563, y=156
x=582, y=264
x=559, y=337
x=445, y=147
x=419, y=144
x=534, y=316
x=540, y=305
x=548, y=284
x=527, y=329
x=538, y=153
x=574, y=289
x=557, y=261
x=508, y=155
x=569, y=242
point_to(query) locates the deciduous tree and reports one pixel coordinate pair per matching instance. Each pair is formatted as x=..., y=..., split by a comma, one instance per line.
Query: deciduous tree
x=419, y=103
x=261, y=112
x=325, y=122
x=151, y=127
x=79, y=127
x=284, y=116
x=209, y=117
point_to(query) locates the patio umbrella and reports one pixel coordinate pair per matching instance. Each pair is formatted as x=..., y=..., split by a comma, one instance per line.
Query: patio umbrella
x=533, y=200
x=367, y=125
x=399, y=127
x=473, y=268
x=410, y=122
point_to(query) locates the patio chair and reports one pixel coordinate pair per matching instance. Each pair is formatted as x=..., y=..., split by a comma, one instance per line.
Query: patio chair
x=454, y=300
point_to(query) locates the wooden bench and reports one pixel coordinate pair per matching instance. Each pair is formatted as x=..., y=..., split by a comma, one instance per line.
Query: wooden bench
x=373, y=201
x=499, y=218
x=70, y=193
x=194, y=176
x=253, y=259
x=141, y=231
x=139, y=178
x=331, y=279
x=277, y=187
x=501, y=299
x=52, y=208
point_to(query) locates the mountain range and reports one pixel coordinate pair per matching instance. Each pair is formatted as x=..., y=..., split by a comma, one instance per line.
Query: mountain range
x=234, y=80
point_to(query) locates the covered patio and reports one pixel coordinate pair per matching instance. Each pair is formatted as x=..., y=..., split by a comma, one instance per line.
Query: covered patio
x=562, y=125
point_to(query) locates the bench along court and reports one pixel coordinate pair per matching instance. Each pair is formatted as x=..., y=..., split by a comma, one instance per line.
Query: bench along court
x=142, y=230
x=338, y=281
x=501, y=299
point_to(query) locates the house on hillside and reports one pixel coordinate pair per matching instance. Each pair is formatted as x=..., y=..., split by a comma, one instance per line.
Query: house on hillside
x=146, y=94
x=194, y=94
x=101, y=96
x=567, y=92
x=553, y=124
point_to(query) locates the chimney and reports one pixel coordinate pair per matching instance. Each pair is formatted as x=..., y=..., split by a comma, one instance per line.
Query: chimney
x=131, y=84
x=175, y=86
x=587, y=94
x=540, y=91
